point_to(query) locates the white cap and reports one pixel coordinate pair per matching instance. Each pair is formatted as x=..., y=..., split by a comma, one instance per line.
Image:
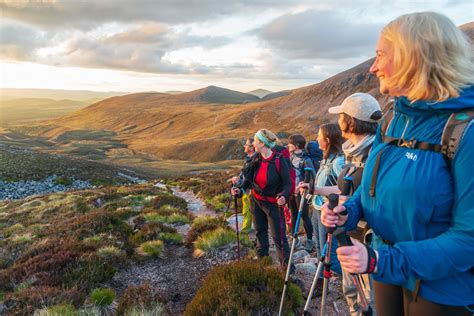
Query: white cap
x=360, y=106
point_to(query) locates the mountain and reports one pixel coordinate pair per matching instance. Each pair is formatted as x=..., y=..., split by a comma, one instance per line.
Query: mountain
x=213, y=94
x=260, y=92
x=276, y=95
x=200, y=126
x=76, y=95
x=27, y=109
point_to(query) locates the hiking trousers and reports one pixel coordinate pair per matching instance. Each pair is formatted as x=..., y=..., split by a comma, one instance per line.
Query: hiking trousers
x=246, y=213
x=294, y=207
x=393, y=300
x=267, y=215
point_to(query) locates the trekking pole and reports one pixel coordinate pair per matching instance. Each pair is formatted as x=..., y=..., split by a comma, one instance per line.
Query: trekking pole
x=333, y=201
x=237, y=227
x=281, y=210
x=315, y=280
x=344, y=240
x=293, y=244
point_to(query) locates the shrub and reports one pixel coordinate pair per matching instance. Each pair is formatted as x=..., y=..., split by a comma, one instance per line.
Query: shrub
x=168, y=199
x=219, y=202
x=152, y=248
x=156, y=309
x=13, y=229
x=204, y=224
x=82, y=206
x=108, y=252
x=212, y=240
x=244, y=288
x=150, y=231
x=63, y=180
x=141, y=296
x=57, y=310
x=167, y=210
x=90, y=271
x=102, y=297
x=171, y=238
x=28, y=300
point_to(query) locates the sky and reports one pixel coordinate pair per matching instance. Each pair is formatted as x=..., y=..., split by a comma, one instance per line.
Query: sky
x=183, y=45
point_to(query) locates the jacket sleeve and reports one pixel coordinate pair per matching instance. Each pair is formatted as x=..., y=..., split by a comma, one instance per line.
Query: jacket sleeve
x=451, y=252
x=248, y=173
x=285, y=179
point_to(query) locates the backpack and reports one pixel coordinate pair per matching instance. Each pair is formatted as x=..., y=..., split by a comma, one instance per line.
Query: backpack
x=316, y=154
x=453, y=133
x=283, y=154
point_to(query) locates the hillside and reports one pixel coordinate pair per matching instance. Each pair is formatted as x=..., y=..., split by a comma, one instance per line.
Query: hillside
x=14, y=111
x=207, y=125
x=77, y=95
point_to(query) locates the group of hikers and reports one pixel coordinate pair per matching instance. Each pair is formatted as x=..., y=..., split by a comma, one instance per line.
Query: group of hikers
x=403, y=178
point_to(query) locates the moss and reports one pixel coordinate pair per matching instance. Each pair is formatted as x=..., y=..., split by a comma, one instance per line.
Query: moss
x=244, y=288
x=102, y=297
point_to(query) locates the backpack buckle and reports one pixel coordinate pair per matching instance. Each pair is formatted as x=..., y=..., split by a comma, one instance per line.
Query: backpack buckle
x=407, y=143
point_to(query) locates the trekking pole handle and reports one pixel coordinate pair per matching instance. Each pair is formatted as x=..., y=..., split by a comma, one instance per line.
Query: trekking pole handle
x=333, y=202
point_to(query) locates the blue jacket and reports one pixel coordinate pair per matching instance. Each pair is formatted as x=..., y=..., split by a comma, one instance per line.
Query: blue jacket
x=422, y=205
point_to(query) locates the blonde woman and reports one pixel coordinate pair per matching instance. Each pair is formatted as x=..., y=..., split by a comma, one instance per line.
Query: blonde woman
x=419, y=203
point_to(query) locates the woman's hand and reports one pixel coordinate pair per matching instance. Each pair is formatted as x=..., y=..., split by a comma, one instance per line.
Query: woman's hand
x=235, y=191
x=302, y=187
x=235, y=180
x=281, y=200
x=355, y=259
x=333, y=218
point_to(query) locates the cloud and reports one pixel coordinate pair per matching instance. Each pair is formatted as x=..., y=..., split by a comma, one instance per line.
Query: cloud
x=18, y=42
x=88, y=14
x=315, y=34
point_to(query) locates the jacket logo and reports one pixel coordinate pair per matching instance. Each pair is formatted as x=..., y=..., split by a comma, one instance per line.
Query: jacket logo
x=411, y=156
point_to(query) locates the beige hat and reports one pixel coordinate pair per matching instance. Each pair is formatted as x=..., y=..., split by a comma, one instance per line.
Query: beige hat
x=361, y=106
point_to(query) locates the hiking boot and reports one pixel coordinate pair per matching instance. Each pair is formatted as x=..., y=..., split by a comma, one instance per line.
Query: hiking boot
x=309, y=245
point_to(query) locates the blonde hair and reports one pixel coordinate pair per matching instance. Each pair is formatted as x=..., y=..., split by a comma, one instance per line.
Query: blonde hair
x=432, y=58
x=270, y=136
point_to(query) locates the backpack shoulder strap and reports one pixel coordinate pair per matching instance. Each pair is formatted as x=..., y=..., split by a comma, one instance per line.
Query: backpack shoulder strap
x=454, y=131
x=277, y=160
x=387, y=119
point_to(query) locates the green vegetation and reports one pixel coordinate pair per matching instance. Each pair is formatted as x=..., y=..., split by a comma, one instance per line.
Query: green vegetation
x=63, y=181
x=139, y=298
x=152, y=248
x=102, y=297
x=58, y=310
x=204, y=224
x=212, y=240
x=244, y=288
x=54, y=254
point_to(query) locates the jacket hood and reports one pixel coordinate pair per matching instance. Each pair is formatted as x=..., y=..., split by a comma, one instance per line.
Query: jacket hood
x=463, y=102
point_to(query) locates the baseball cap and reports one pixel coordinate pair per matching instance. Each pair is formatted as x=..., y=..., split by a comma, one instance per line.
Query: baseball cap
x=361, y=106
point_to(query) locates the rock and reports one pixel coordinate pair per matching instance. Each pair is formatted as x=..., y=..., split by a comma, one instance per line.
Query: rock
x=300, y=255
x=305, y=268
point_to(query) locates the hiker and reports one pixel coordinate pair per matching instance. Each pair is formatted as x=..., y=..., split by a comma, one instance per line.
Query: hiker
x=330, y=141
x=304, y=168
x=269, y=180
x=417, y=190
x=358, y=116
x=238, y=181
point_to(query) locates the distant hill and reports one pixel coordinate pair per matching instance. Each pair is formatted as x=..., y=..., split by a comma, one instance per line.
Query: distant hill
x=76, y=95
x=207, y=125
x=15, y=111
x=213, y=94
x=260, y=92
x=275, y=95
x=174, y=92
